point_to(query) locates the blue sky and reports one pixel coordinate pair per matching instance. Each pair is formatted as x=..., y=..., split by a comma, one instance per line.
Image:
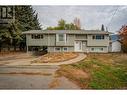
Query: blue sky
x=91, y=17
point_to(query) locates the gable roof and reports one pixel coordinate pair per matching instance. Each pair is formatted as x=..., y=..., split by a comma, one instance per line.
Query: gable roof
x=66, y=31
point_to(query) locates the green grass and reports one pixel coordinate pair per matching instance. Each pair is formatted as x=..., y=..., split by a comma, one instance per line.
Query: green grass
x=105, y=74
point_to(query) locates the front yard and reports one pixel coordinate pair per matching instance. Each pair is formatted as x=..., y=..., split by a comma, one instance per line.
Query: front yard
x=98, y=71
x=55, y=57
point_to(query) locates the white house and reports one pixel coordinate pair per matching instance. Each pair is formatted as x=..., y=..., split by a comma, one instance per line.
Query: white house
x=115, y=43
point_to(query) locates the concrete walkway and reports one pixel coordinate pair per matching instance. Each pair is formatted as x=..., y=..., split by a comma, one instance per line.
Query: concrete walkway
x=80, y=57
x=27, y=62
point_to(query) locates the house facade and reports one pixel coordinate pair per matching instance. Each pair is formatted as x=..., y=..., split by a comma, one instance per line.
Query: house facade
x=115, y=43
x=68, y=40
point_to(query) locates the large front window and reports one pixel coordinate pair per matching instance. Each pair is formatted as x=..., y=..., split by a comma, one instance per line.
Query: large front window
x=98, y=37
x=61, y=37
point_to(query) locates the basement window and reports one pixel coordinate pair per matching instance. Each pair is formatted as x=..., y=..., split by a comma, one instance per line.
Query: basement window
x=96, y=49
x=65, y=49
x=57, y=49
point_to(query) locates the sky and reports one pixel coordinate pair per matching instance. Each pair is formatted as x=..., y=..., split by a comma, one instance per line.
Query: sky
x=91, y=17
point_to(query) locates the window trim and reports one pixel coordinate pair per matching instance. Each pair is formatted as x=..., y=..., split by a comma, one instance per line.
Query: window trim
x=56, y=50
x=65, y=50
x=37, y=36
x=97, y=49
x=96, y=37
x=57, y=38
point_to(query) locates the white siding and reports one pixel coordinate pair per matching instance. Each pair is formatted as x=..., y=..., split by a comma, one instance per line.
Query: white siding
x=116, y=46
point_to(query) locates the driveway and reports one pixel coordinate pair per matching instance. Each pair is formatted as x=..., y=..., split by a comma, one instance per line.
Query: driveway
x=17, y=59
x=33, y=77
x=17, y=73
x=25, y=60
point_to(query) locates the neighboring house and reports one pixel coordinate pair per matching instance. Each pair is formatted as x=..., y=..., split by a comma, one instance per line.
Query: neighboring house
x=115, y=43
x=68, y=40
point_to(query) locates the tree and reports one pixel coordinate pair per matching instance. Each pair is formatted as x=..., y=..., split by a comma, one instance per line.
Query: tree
x=123, y=37
x=77, y=23
x=25, y=19
x=16, y=35
x=62, y=25
x=102, y=28
x=5, y=36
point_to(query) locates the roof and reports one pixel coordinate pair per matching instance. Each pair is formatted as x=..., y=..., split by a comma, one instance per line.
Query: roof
x=66, y=31
x=114, y=37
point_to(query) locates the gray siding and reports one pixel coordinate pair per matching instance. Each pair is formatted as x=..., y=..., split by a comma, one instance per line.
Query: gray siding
x=48, y=40
x=94, y=42
x=84, y=46
x=105, y=49
x=69, y=41
x=87, y=42
x=80, y=37
x=52, y=49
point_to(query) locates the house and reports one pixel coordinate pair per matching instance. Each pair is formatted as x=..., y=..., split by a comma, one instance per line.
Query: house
x=115, y=43
x=68, y=40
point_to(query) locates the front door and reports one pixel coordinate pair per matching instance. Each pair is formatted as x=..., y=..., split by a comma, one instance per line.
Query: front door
x=78, y=46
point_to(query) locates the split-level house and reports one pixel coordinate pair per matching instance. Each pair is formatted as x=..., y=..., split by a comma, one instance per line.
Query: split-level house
x=68, y=40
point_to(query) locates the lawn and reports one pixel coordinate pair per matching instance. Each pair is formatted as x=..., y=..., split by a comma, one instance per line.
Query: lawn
x=98, y=71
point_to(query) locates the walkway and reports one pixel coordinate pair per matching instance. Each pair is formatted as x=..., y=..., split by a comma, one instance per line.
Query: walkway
x=25, y=62
x=80, y=57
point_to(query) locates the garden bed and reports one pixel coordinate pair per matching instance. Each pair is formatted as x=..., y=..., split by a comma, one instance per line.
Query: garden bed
x=55, y=57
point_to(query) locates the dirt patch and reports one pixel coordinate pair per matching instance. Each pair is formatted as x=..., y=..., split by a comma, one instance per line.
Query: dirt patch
x=55, y=83
x=77, y=76
x=55, y=57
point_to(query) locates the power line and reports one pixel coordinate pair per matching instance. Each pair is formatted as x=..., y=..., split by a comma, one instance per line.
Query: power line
x=113, y=16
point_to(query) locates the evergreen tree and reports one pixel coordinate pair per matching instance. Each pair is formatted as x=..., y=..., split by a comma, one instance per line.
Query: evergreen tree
x=102, y=28
x=25, y=19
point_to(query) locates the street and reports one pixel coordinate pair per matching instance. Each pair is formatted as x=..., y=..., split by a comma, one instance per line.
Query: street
x=33, y=77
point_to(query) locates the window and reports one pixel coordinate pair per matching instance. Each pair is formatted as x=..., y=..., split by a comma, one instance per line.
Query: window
x=6, y=12
x=36, y=36
x=61, y=37
x=92, y=49
x=65, y=49
x=41, y=36
x=32, y=36
x=96, y=49
x=101, y=49
x=57, y=49
x=98, y=37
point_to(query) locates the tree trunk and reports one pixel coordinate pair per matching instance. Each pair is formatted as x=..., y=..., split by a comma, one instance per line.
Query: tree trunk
x=8, y=47
x=0, y=48
x=14, y=47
